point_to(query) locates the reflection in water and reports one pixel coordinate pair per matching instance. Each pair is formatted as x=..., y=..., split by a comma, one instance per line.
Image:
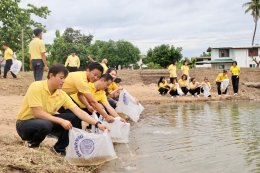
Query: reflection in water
x=204, y=137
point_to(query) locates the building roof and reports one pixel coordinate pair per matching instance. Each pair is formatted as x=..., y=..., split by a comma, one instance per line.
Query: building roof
x=239, y=47
x=221, y=60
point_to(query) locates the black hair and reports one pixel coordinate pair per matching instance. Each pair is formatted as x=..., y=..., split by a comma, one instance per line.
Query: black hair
x=5, y=44
x=57, y=68
x=174, y=61
x=106, y=77
x=185, y=61
x=160, y=80
x=110, y=70
x=95, y=65
x=205, y=78
x=224, y=71
x=234, y=62
x=192, y=79
x=118, y=80
x=37, y=32
x=185, y=76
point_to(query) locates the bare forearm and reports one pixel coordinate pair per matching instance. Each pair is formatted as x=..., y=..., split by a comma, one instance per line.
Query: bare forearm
x=111, y=110
x=44, y=59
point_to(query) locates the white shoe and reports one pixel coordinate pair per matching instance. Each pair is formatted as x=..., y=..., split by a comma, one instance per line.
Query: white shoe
x=198, y=96
x=235, y=94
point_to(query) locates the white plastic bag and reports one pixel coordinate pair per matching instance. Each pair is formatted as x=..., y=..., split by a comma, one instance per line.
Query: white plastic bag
x=16, y=66
x=224, y=85
x=206, y=90
x=119, y=131
x=179, y=91
x=88, y=148
x=129, y=106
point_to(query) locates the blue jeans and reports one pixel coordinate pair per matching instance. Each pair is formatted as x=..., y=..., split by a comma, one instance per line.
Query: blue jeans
x=38, y=68
x=35, y=130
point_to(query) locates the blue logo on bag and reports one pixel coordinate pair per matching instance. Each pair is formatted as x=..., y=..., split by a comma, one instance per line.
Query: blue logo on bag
x=86, y=146
x=125, y=99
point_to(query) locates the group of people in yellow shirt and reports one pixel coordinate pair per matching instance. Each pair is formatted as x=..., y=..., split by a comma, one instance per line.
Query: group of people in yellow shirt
x=63, y=101
x=194, y=87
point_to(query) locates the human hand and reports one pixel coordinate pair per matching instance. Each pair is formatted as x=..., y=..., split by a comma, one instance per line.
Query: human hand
x=103, y=127
x=109, y=119
x=66, y=124
x=123, y=120
x=46, y=68
x=90, y=109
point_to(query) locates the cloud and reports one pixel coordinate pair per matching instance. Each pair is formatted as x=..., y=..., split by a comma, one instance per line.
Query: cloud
x=192, y=24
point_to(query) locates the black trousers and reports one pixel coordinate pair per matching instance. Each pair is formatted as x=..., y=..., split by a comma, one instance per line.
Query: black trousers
x=35, y=130
x=235, y=83
x=8, y=64
x=194, y=91
x=184, y=90
x=174, y=93
x=219, y=88
x=72, y=69
x=163, y=91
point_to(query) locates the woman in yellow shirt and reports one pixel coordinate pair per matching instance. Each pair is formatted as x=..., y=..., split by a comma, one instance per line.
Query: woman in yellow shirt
x=185, y=68
x=183, y=83
x=219, y=79
x=163, y=86
x=194, y=87
x=174, y=85
x=235, y=70
x=172, y=70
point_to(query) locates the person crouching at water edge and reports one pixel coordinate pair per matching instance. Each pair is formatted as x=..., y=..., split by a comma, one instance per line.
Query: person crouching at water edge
x=222, y=79
x=37, y=116
x=163, y=86
x=183, y=83
x=206, y=87
x=174, y=88
x=235, y=70
x=97, y=90
x=194, y=87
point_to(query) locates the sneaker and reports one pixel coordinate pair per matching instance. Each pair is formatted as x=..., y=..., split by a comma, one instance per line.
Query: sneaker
x=198, y=96
x=31, y=145
x=61, y=153
x=235, y=94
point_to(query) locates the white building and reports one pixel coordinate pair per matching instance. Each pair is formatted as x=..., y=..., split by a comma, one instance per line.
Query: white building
x=222, y=57
x=203, y=62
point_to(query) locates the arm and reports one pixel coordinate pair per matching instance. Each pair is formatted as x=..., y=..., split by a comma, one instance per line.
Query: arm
x=83, y=100
x=39, y=113
x=98, y=108
x=67, y=62
x=31, y=66
x=91, y=59
x=87, y=118
x=112, y=111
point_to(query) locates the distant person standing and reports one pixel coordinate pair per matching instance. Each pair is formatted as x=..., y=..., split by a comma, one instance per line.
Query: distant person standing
x=172, y=71
x=185, y=68
x=72, y=63
x=104, y=65
x=37, y=51
x=235, y=70
x=8, y=56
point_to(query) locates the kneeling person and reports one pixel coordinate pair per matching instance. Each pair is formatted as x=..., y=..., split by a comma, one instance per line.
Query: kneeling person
x=37, y=116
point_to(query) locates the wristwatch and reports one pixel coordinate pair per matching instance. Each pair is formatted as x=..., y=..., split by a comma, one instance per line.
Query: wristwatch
x=98, y=122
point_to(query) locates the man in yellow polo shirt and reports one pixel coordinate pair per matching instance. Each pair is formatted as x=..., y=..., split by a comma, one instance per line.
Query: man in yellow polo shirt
x=97, y=90
x=38, y=116
x=72, y=62
x=172, y=70
x=77, y=82
x=219, y=79
x=37, y=51
x=235, y=70
x=8, y=57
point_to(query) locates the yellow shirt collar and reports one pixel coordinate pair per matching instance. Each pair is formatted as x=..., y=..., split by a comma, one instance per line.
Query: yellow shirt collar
x=46, y=88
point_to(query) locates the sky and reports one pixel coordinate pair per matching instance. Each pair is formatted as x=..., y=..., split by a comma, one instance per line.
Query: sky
x=193, y=25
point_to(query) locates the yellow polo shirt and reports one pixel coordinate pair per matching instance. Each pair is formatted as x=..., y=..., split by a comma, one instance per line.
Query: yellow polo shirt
x=72, y=61
x=235, y=70
x=36, y=48
x=194, y=85
x=112, y=87
x=172, y=70
x=206, y=83
x=220, y=77
x=76, y=82
x=174, y=87
x=183, y=83
x=104, y=67
x=185, y=69
x=162, y=84
x=38, y=95
x=99, y=96
x=8, y=54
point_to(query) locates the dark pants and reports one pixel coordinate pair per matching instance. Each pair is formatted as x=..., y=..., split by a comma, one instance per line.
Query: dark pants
x=8, y=64
x=219, y=88
x=163, y=91
x=172, y=78
x=174, y=93
x=184, y=90
x=194, y=91
x=35, y=130
x=38, y=68
x=72, y=69
x=112, y=102
x=235, y=82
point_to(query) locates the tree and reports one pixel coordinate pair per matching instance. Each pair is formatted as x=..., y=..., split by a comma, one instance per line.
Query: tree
x=14, y=19
x=164, y=55
x=70, y=40
x=254, y=7
x=117, y=52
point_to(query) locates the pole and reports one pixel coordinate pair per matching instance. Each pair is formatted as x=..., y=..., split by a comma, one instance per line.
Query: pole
x=23, y=49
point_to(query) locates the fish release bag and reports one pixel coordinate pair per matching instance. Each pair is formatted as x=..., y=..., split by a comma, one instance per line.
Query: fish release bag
x=224, y=85
x=88, y=148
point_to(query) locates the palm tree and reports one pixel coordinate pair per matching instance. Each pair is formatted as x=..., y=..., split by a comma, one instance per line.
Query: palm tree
x=254, y=7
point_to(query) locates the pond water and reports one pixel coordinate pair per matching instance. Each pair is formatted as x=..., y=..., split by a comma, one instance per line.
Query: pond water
x=201, y=137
